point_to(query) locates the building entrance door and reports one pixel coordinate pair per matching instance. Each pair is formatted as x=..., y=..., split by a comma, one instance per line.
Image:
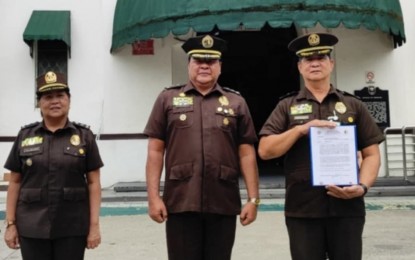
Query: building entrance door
x=259, y=66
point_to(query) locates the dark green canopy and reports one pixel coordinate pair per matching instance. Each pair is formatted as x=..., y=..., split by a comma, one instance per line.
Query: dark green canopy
x=144, y=19
x=48, y=25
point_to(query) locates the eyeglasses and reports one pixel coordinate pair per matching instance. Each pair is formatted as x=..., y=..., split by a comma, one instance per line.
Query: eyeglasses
x=319, y=58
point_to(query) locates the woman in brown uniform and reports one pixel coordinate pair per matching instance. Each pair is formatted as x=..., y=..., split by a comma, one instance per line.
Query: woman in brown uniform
x=54, y=194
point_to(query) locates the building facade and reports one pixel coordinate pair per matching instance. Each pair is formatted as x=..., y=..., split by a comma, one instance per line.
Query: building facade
x=113, y=90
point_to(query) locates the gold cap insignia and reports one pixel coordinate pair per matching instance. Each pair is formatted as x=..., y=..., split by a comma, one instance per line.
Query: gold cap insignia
x=50, y=77
x=183, y=117
x=340, y=107
x=75, y=140
x=313, y=39
x=207, y=41
x=224, y=101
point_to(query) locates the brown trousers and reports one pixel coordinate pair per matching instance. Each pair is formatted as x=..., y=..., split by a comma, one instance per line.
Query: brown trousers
x=199, y=236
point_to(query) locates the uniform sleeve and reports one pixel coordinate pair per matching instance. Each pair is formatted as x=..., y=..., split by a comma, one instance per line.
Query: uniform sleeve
x=13, y=162
x=277, y=120
x=93, y=160
x=246, y=128
x=157, y=122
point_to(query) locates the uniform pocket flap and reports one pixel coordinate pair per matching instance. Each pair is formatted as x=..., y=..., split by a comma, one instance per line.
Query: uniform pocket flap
x=226, y=112
x=228, y=174
x=181, y=172
x=75, y=151
x=182, y=109
x=74, y=194
x=29, y=195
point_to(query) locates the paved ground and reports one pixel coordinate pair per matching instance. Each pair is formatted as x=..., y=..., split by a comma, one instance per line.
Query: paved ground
x=389, y=233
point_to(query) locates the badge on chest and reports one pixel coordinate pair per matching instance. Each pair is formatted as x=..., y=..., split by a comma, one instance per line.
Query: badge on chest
x=301, y=111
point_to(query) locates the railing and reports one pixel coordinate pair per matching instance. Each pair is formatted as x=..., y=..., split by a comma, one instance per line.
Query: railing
x=400, y=151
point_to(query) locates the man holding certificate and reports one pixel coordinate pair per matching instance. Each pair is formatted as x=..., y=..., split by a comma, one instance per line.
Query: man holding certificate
x=319, y=130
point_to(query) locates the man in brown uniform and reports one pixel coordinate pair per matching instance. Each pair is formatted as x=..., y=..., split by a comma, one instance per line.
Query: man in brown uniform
x=207, y=135
x=321, y=220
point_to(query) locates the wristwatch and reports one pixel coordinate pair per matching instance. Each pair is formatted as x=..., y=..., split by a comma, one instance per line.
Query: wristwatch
x=9, y=223
x=365, y=188
x=256, y=201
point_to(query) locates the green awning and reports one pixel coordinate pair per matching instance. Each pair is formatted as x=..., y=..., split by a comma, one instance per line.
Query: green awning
x=144, y=19
x=48, y=25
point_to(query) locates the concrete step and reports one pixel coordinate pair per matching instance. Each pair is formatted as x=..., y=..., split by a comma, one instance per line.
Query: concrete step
x=270, y=182
x=270, y=187
x=110, y=195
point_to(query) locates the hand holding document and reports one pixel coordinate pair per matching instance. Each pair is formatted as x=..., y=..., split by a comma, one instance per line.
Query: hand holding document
x=333, y=156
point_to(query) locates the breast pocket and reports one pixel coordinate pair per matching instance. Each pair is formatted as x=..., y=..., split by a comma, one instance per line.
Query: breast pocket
x=31, y=158
x=181, y=117
x=74, y=158
x=226, y=120
x=76, y=151
x=75, y=194
x=30, y=195
x=348, y=118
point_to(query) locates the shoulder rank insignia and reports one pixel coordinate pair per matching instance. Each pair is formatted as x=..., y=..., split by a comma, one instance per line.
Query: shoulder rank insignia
x=231, y=90
x=30, y=125
x=290, y=94
x=175, y=86
x=348, y=94
x=81, y=125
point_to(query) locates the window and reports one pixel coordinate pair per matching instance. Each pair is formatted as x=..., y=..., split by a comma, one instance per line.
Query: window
x=51, y=55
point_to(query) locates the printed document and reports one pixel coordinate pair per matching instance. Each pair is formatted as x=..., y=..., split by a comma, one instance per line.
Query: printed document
x=334, y=155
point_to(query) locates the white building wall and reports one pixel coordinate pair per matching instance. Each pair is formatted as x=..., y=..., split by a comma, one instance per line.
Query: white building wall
x=114, y=93
x=360, y=51
x=402, y=74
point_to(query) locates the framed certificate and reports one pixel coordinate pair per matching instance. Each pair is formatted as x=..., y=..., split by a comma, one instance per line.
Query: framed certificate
x=334, y=156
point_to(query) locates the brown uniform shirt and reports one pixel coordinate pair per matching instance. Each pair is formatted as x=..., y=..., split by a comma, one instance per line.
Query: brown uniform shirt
x=302, y=199
x=53, y=199
x=201, y=135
